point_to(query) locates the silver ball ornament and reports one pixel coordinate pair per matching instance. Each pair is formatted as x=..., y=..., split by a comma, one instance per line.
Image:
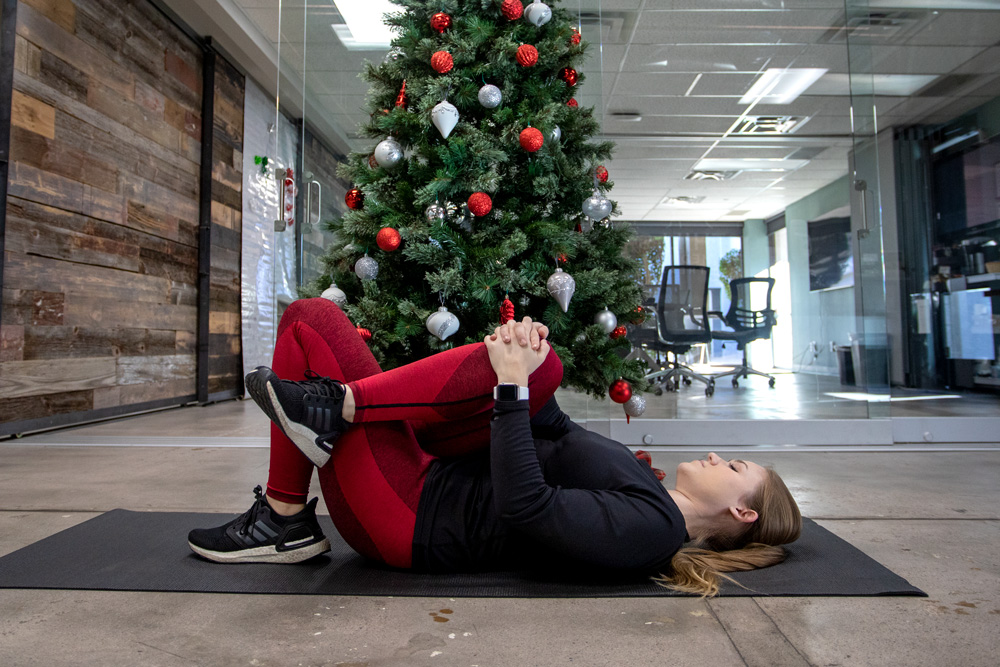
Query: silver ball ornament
x=490, y=96
x=366, y=268
x=596, y=206
x=538, y=13
x=635, y=406
x=561, y=286
x=435, y=213
x=607, y=320
x=555, y=135
x=335, y=294
x=388, y=153
x=459, y=215
x=442, y=323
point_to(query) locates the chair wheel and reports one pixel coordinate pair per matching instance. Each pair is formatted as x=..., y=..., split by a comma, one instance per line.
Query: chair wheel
x=709, y=390
x=687, y=381
x=658, y=391
x=770, y=383
x=735, y=383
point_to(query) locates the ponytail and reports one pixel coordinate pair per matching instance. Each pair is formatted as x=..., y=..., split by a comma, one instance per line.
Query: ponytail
x=699, y=568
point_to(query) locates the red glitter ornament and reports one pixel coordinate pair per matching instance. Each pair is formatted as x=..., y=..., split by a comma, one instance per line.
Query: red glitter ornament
x=440, y=21
x=527, y=55
x=572, y=103
x=441, y=62
x=620, y=391
x=568, y=74
x=601, y=173
x=506, y=311
x=619, y=332
x=401, y=98
x=638, y=316
x=354, y=199
x=365, y=334
x=575, y=39
x=562, y=257
x=388, y=239
x=531, y=139
x=512, y=9
x=480, y=203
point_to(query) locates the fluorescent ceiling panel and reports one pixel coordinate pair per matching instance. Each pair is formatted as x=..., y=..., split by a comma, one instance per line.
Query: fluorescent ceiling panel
x=934, y=4
x=749, y=164
x=891, y=85
x=364, y=21
x=782, y=86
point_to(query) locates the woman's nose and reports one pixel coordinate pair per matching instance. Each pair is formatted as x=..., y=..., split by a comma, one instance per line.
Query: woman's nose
x=713, y=458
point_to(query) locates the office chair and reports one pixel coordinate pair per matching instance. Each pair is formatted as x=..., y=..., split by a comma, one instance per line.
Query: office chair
x=681, y=322
x=748, y=323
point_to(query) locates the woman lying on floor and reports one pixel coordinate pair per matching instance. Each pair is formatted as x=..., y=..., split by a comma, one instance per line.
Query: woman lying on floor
x=463, y=461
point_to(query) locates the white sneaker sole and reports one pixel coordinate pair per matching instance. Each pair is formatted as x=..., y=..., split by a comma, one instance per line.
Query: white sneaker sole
x=264, y=554
x=303, y=437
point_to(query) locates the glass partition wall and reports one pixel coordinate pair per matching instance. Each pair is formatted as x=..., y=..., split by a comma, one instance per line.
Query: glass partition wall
x=845, y=149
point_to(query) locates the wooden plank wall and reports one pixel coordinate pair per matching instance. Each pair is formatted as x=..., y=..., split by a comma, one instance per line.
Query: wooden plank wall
x=225, y=350
x=100, y=265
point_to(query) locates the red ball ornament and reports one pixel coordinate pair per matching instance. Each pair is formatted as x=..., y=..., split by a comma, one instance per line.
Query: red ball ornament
x=568, y=74
x=619, y=332
x=354, y=199
x=575, y=39
x=506, y=311
x=480, y=203
x=440, y=21
x=620, y=391
x=638, y=316
x=531, y=139
x=572, y=103
x=388, y=239
x=601, y=173
x=365, y=334
x=527, y=55
x=512, y=9
x=441, y=62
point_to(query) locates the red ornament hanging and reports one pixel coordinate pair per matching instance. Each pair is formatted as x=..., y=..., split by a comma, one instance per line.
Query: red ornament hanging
x=579, y=228
x=440, y=21
x=572, y=103
x=388, y=239
x=619, y=332
x=354, y=199
x=365, y=334
x=620, y=391
x=568, y=74
x=401, y=98
x=527, y=55
x=372, y=162
x=480, y=203
x=601, y=173
x=531, y=139
x=441, y=62
x=575, y=39
x=506, y=311
x=512, y=9
x=562, y=257
x=638, y=316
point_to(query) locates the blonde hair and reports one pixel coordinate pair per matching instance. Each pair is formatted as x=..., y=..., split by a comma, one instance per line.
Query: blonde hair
x=698, y=568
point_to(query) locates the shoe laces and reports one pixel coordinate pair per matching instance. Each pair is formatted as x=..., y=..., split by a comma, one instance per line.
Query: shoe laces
x=249, y=518
x=324, y=386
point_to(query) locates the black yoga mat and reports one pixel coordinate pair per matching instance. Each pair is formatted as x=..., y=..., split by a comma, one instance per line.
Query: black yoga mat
x=148, y=551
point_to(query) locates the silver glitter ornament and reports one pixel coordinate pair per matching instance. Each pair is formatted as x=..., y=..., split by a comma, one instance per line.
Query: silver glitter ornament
x=561, y=286
x=606, y=223
x=555, y=135
x=490, y=96
x=635, y=406
x=335, y=294
x=444, y=115
x=388, y=153
x=538, y=13
x=435, y=213
x=392, y=55
x=442, y=323
x=596, y=206
x=607, y=320
x=366, y=268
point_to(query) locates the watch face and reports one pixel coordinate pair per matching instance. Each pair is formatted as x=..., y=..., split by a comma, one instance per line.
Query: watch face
x=507, y=392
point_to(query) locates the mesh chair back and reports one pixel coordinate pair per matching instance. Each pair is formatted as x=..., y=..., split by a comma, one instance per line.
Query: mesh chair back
x=750, y=307
x=682, y=307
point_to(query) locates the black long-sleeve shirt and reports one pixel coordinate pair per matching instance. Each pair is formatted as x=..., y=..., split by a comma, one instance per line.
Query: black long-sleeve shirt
x=548, y=493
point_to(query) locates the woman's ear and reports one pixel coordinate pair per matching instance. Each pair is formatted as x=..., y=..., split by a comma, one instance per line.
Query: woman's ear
x=743, y=514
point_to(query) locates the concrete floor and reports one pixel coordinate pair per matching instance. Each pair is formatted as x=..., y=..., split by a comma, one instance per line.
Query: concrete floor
x=929, y=516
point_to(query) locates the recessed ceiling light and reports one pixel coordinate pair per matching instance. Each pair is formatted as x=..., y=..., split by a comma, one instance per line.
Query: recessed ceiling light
x=781, y=86
x=364, y=20
x=628, y=116
x=902, y=85
x=681, y=200
x=749, y=164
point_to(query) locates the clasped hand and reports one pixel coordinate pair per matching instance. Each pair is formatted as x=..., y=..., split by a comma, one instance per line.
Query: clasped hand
x=516, y=349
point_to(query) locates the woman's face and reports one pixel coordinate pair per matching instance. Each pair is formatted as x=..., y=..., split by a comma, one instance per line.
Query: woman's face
x=717, y=484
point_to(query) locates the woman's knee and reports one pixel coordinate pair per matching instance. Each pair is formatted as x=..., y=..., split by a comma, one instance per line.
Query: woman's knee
x=310, y=311
x=549, y=375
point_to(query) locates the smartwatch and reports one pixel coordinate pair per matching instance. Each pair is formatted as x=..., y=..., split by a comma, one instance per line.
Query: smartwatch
x=508, y=391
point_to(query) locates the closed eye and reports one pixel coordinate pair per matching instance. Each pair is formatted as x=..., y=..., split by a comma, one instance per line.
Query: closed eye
x=733, y=467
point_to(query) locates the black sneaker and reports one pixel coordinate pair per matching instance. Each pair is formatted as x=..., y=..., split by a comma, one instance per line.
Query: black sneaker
x=261, y=535
x=308, y=412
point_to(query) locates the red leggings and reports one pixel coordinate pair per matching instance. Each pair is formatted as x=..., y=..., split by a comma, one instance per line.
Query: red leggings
x=437, y=406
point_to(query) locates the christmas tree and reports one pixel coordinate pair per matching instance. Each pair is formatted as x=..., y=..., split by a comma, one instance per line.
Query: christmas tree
x=483, y=195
